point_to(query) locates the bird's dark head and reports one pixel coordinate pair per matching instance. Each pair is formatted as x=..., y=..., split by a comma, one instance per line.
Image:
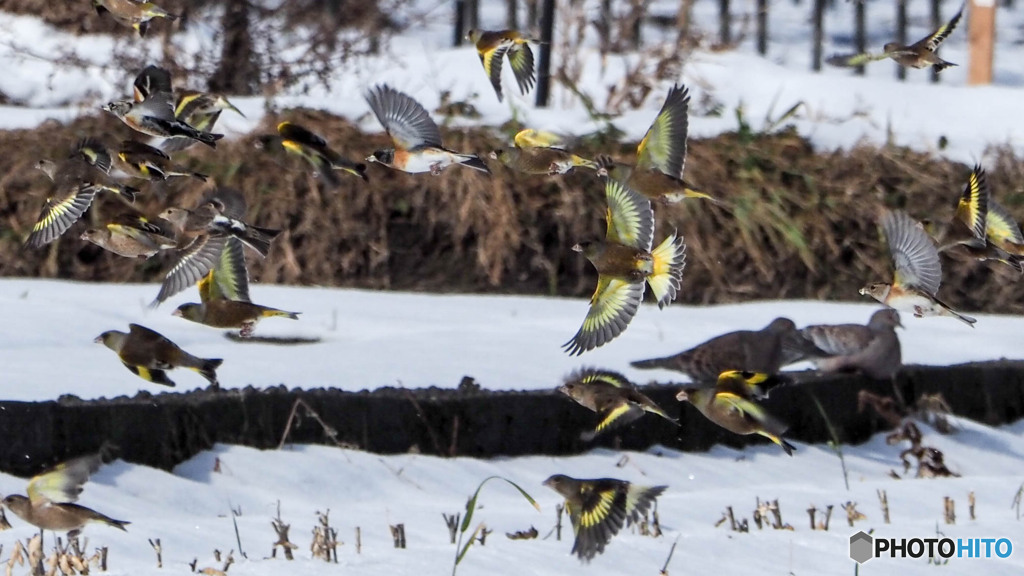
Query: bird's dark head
x=48, y=167
x=879, y=291
x=95, y=235
x=190, y=311
x=111, y=339
x=267, y=142
x=17, y=503
x=497, y=154
x=385, y=156
x=558, y=482
x=473, y=35
x=891, y=47
x=119, y=108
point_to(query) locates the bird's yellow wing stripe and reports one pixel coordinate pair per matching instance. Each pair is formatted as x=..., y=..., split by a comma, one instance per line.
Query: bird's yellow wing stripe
x=599, y=511
x=613, y=415
x=520, y=59
x=629, y=216
x=972, y=209
x=1000, y=227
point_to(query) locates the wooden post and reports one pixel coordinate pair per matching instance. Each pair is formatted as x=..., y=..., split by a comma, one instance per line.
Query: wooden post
x=901, y=33
x=473, y=14
x=604, y=27
x=762, y=27
x=724, y=23
x=460, y=23
x=860, y=34
x=547, y=26
x=936, y=22
x=981, y=37
x=638, y=9
x=818, y=20
x=512, y=14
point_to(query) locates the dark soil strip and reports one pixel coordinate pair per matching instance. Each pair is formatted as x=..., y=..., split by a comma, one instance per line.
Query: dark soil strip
x=163, y=430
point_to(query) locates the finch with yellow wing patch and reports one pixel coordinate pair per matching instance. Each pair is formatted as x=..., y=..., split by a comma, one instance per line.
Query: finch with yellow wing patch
x=51, y=496
x=730, y=404
x=132, y=13
x=76, y=181
x=224, y=293
x=616, y=400
x=132, y=236
x=661, y=155
x=493, y=45
x=920, y=54
x=149, y=355
x=599, y=508
x=625, y=262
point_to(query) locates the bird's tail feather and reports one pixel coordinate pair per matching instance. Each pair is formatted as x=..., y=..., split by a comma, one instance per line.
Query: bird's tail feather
x=669, y=260
x=474, y=162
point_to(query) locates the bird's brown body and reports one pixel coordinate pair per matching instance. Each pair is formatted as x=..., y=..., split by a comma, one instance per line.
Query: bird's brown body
x=730, y=404
x=612, y=396
x=752, y=351
x=549, y=161
x=617, y=261
x=223, y=313
x=149, y=355
x=58, y=517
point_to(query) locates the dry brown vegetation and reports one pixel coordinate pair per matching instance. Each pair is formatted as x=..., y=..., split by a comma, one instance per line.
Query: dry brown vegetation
x=799, y=224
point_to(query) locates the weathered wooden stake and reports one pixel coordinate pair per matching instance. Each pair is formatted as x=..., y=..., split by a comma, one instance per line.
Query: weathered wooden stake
x=981, y=38
x=547, y=27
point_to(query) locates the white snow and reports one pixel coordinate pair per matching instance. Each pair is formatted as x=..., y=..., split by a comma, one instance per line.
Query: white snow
x=372, y=339
x=839, y=110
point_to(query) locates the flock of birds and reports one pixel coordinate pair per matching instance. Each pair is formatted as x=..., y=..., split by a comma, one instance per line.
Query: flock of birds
x=729, y=373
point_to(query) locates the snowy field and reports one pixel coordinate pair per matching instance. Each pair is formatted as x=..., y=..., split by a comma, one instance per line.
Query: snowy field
x=371, y=339
x=839, y=109
x=190, y=509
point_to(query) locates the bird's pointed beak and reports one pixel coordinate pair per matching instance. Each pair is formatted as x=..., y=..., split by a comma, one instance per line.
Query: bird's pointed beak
x=177, y=312
x=864, y=291
x=682, y=396
x=602, y=172
x=577, y=248
x=97, y=340
x=371, y=158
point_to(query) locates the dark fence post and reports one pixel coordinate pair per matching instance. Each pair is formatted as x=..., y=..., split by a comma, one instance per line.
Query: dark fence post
x=512, y=14
x=818, y=20
x=936, y=22
x=860, y=34
x=547, y=26
x=762, y=27
x=472, y=14
x=604, y=27
x=901, y=33
x=460, y=23
x=724, y=23
x=531, y=14
x=638, y=20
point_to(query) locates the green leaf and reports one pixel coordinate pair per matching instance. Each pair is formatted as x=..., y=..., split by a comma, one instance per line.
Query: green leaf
x=471, y=503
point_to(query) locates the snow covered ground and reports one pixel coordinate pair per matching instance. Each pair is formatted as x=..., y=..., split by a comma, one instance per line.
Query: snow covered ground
x=372, y=339
x=839, y=110
x=190, y=509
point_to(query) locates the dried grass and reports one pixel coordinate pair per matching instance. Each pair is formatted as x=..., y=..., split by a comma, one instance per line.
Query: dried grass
x=797, y=224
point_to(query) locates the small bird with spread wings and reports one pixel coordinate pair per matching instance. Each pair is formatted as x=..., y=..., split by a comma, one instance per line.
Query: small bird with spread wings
x=920, y=54
x=918, y=271
x=493, y=45
x=152, y=110
x=731, y=404
x=661, y=155
x=416, y=137
x=616, y=400
x=625, y=263
x=600, y=507
x=51, y=496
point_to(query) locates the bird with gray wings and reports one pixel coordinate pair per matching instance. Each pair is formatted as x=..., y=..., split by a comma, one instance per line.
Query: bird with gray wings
x=873, y=349
x=745, y=350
